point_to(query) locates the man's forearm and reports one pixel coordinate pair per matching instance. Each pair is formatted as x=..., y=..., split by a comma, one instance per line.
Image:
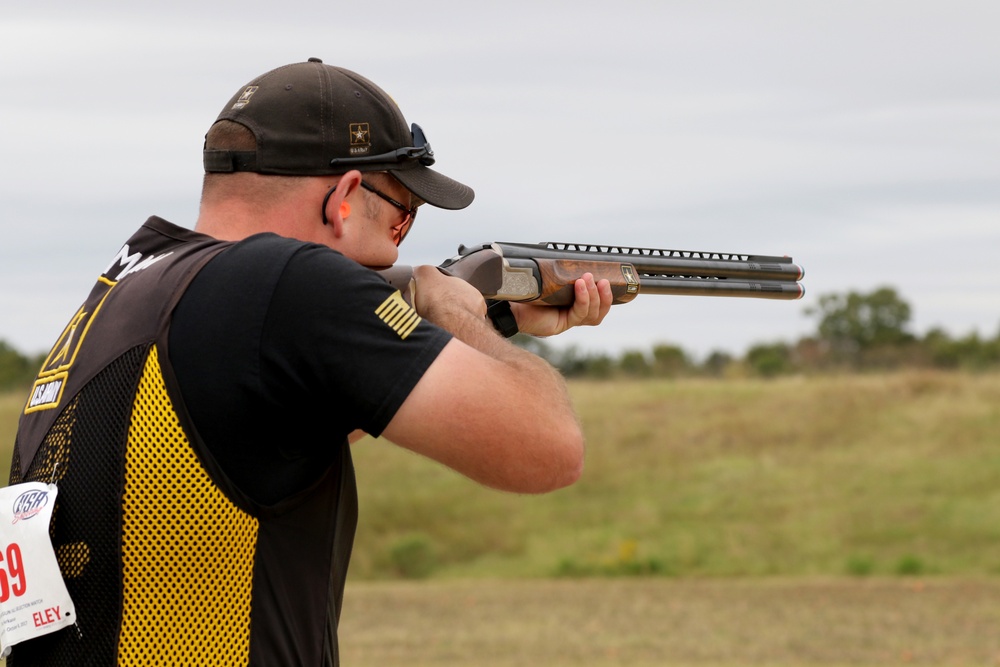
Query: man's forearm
x=478, y=332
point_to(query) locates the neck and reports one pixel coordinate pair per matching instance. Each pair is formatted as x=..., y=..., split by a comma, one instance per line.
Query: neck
x=235, y=206
x=231, y=221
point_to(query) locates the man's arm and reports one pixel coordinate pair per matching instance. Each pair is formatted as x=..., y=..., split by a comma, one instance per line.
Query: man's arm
x=486, y=408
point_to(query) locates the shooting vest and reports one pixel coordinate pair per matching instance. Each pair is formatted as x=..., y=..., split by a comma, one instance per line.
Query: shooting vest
x=166, y=561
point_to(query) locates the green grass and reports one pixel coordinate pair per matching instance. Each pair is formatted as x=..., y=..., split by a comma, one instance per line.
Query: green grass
x=860, y=475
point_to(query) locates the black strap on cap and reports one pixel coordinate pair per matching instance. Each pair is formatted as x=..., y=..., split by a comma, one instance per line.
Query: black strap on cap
x=229, y=161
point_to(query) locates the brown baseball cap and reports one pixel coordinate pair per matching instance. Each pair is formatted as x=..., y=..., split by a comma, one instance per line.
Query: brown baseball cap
x=312, y=119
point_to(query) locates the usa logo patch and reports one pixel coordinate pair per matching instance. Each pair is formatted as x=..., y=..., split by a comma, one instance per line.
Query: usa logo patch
x=398, y=314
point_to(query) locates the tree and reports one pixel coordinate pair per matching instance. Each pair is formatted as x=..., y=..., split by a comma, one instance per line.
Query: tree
x=856, y=322
x=970, y=352
x=716, y=363
x=574, y=363
x=670, y=361
x=635, y=364
x=769, y=360
x=16, y=370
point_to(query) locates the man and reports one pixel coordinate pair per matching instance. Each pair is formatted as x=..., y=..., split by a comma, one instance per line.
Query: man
x=196, y=411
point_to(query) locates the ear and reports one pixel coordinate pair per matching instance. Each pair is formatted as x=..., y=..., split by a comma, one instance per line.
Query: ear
x=337, y=208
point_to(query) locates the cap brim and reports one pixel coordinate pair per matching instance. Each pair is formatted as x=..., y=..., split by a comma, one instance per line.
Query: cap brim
x=434, y=188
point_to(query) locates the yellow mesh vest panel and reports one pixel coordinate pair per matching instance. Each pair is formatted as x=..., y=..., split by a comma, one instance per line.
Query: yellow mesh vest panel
x=187, y=551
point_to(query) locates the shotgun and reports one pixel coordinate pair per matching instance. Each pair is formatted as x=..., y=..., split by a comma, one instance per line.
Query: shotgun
x=545, y=272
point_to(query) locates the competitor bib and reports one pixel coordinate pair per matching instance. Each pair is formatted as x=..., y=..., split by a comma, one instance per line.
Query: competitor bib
x=33, y=597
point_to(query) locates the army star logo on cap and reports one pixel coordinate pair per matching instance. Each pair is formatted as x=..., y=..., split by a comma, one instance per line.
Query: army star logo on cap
x=244, y=99
x=360, y=138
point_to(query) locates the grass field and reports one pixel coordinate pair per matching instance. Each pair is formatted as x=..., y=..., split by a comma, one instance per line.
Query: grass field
x=851, y=520
x=862, y=475
x=857, y=475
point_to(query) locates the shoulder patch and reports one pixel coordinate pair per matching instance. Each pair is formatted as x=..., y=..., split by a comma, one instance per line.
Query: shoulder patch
x=398, y=314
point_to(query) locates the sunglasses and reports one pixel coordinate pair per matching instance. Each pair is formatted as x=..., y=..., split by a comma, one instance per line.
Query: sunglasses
x=400, y=229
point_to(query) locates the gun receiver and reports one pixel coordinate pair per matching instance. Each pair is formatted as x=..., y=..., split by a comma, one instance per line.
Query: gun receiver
x=545, y=272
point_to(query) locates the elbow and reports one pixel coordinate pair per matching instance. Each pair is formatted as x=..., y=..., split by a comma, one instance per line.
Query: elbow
x=572, y=469
x=562, y=467
x=568, y=476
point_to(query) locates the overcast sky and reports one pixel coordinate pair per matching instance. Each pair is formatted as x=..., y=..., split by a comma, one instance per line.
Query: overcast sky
x=861, y=138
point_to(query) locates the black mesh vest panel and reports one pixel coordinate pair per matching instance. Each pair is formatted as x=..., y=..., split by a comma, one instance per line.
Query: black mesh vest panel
x=166, y=562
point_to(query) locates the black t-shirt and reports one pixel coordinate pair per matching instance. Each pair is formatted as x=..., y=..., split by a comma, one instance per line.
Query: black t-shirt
x=282, y=348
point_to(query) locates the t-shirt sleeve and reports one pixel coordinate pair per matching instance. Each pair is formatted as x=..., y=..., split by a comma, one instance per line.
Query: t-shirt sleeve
x=339, y=335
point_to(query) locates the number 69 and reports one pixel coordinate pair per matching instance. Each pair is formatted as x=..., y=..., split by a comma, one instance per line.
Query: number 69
x=13, y=570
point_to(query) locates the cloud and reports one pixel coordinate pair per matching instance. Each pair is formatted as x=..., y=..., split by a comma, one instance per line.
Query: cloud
x=860, y=137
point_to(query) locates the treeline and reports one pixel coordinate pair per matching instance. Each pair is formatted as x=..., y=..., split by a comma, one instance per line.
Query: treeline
x=17, y=370
x=855, y=332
